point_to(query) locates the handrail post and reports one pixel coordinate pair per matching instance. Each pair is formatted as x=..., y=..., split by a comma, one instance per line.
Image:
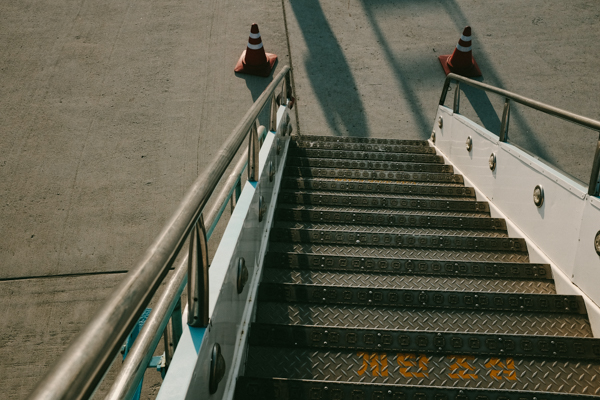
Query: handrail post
x=198, y=276
x=445, y=91
x=284, y=90
x=237, y=191
x=456, y=105
x=594, y=188
x=253, y=150
x=505, y=120
x=273, y=116
x=176, y=325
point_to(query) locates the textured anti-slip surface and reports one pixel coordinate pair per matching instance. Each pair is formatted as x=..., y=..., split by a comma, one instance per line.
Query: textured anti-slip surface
x=386, y=279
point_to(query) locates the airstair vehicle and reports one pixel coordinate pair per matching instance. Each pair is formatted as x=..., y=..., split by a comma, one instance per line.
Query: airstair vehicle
x=460, y=267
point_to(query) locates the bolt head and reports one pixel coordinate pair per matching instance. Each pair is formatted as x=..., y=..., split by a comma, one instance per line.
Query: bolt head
x=469, y=143
x=440, y=122
x=597, y=243
x=538, y=196
x=492, y=161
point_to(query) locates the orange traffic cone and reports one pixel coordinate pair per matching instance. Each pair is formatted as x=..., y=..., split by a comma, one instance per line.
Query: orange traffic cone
x=461, y=61
x=254, y=60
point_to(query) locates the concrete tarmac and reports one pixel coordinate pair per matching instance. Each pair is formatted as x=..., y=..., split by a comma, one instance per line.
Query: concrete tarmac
x=108, y=112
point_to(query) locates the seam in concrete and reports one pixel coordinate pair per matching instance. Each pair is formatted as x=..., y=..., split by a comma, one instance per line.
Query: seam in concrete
x=287, y=38
x=23, y=278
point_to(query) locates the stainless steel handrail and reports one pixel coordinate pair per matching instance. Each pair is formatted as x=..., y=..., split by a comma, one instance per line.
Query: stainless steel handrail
x=134, y=366
x=82, y=366
x=593, y=188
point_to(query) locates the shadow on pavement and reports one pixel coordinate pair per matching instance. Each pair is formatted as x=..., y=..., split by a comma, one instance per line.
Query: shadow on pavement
x=329, y=72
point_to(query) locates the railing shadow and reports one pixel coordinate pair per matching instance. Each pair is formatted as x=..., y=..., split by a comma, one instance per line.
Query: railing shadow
x=329, y=73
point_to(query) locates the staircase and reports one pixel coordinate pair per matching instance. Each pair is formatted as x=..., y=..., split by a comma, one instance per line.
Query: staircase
x=387, y=279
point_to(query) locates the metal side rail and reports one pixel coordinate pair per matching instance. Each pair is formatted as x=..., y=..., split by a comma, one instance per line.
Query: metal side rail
x=383, y=280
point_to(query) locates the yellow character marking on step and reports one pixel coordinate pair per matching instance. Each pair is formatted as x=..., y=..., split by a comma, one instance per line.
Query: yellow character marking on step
x=408, y=360
x=377, y=362
x=499, y=370
x=461, y=367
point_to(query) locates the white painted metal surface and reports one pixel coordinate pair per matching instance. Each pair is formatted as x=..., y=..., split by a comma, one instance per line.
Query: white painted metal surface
x=230, y=312
x=561, y=232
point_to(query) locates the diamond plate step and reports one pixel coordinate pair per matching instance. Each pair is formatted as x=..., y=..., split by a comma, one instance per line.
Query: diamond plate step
x=373, y=296
x=325, y=278
x=384, y=148
x=372, y=175
x=452, y=255
x=449, y=343
x=381, y=201
x=365, y=155
x=400, y=368
x=405, y=213
x=287, y=212
x=489, y=270
x=395, y=237
x=353, y=186
x=350, y=139
x=516, y=323
x=370, y=165
x=251, y=388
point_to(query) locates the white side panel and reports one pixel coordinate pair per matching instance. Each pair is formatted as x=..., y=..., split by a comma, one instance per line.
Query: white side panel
x=561, y=232
x=474, y=163
x=554, y=226
x=586, y=272
x=442, y=134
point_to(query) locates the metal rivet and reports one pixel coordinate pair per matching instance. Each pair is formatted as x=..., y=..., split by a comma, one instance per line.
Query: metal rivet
x=538, y=195
x=217, y=368
x=597, y=243
x=433, y=136
x=469, y=143
x=492, y=161
x=242, y=275
x=440, y=122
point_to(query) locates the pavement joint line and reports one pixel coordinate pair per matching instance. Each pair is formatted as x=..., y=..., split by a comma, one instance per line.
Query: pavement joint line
x=74, y=275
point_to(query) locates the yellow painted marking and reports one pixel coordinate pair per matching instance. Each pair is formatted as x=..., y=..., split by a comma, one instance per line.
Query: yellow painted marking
x=408, y=360
x=461, y=367
x=499, y=370
x=376, y=361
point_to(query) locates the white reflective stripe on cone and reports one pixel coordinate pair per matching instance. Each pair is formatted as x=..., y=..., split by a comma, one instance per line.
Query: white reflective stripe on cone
x=463, y=49
x=254, y=35
x=465, y=38
x=255, y=46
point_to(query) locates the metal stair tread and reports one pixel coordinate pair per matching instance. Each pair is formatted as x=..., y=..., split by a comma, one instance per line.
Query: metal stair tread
x=363, y=174
x=574, y=325
x=341, y=215
x=387, y=187
x=399, y=253
x=334, y=278
x=252, y=388
x=381, y=201
x=367, y=164
x=379, y=211
x=344, y=366
x=353, y=139
x=384, y=148
x=325, y=337
x=375, y=228
x=389, y=196
x=373, y=296
x=364, y=155
x=276, y=258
